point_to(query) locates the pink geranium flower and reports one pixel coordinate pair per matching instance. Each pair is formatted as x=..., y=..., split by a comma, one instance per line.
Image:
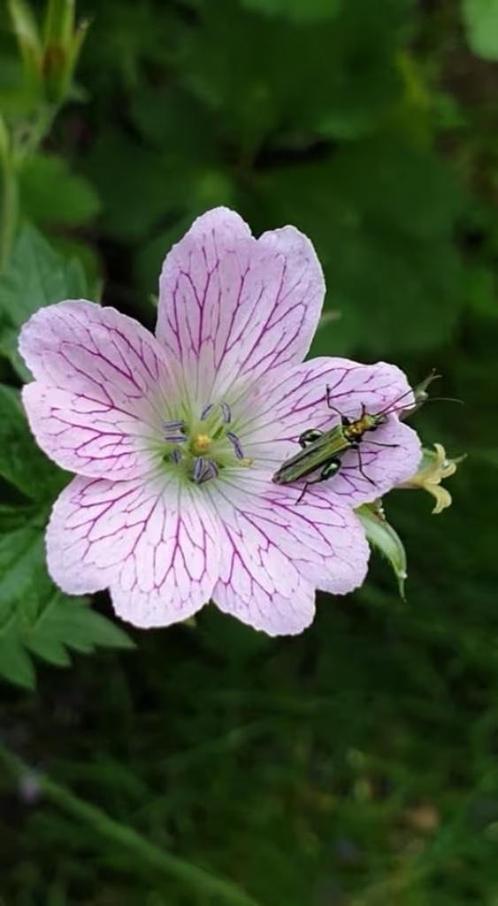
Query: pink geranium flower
x=175, y=438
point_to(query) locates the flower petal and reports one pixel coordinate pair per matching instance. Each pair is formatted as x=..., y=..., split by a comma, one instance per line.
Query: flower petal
x=102, y=391
x=155, y=545
x=299, y=401
x=275, y=553
x=232, y=306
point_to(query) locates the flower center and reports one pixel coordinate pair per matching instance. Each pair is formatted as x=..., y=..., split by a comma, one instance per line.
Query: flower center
x=199, y=450
x=200, y=444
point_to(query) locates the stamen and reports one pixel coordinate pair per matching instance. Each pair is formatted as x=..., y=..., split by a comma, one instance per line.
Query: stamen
x=235, y=442
x=204, y=469
x=176, y=456
x=211, y=470
x=199, y=466
x=179, y=424
x=226, y=413
x=175, y=438
x=205, y=412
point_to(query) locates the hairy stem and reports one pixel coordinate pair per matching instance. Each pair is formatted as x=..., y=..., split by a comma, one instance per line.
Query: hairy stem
x=159, y=860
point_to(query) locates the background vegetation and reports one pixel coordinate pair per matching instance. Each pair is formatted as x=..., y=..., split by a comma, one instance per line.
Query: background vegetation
x=355, y=765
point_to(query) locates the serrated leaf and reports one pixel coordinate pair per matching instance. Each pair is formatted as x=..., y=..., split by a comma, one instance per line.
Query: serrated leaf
x=85, y=629
x=51, y=195
x=35, y=276
x=481, y=23
x=384, y=538
x=23, y=576
x=15, y=663
x=48, y=648
x=34, y=615
x=22, y=463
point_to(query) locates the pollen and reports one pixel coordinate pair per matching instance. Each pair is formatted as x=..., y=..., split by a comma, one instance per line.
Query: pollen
x=200, y=443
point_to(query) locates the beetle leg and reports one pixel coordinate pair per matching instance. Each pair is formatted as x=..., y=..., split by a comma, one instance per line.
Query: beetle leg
x=360, y=466
x=329, y=469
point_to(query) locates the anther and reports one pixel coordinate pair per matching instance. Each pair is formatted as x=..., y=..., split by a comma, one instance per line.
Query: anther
x=226, y=413
x=235, y=442
x=211, y=470
x=198, y=469
x=205, y=412
x=178, y=425
x=204, y=469
x=175, y=438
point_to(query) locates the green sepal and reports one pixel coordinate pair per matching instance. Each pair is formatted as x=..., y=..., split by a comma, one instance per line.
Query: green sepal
x=383, y=537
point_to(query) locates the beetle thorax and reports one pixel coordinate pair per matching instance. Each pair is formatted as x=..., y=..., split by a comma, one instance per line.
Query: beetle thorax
x=356, y=429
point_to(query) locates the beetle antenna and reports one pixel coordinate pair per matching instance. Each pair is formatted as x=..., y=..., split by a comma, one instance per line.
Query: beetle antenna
x=388, y=410
x=432, y=399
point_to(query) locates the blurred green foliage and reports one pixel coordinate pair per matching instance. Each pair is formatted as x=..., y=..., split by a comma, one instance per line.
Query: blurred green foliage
x=354, y=765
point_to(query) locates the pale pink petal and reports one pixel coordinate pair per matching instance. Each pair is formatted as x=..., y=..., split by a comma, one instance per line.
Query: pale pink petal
x=154, y=544
x=232, y=307
x=299, y=401
x=102, y=390
x=275, y=553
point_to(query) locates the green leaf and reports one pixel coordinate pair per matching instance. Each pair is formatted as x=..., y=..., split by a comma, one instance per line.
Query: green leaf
x=51, y=195
x=174, y=120
x=15, y=663
x=152, y=185
x=335, y=77
x=23, y=576
x=382, y=216
x=298, y=10
x=22, y=463
x=481, y=23
x=71, y=622
x=384, y=538
x=124, y=37
x=35, y=276
x=34, y=615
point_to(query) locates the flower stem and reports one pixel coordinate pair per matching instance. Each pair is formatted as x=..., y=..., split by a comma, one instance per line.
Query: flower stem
x=159, y=860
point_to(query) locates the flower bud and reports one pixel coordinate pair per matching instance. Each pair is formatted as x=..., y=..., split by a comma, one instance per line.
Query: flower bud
x=62, y=41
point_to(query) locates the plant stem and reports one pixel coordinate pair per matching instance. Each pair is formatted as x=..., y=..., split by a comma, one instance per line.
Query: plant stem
x=9, y=209
x=158, y=859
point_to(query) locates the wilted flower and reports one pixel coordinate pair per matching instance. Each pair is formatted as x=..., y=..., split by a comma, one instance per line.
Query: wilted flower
x=434, y=467
x=175, y=438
